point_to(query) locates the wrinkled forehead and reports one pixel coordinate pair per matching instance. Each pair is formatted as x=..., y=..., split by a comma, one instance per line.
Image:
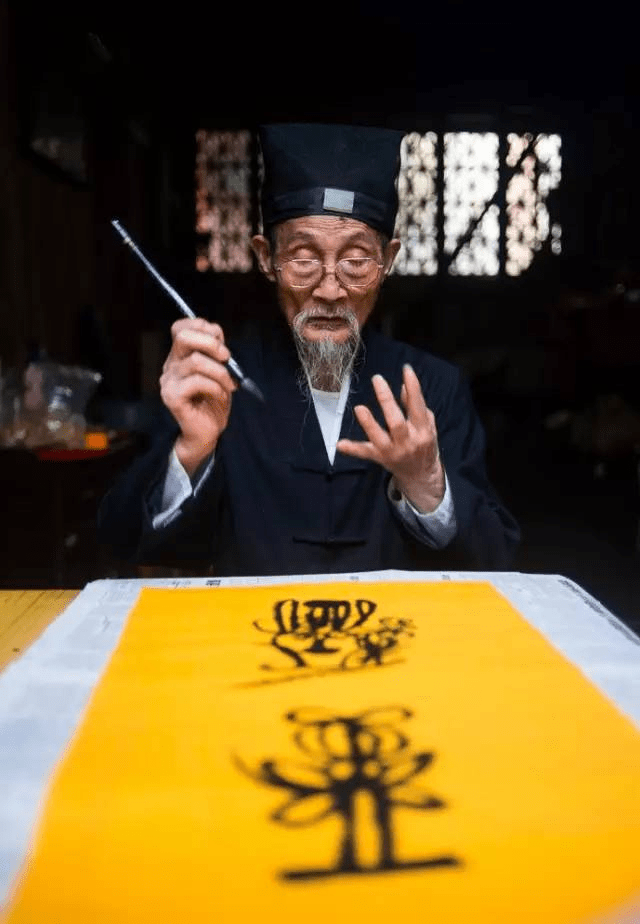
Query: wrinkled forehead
x=326, y=231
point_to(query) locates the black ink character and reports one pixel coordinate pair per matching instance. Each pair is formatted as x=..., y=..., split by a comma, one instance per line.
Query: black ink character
x=351, y=755
x=304, y=630
x=374, y=646
x=314, y=627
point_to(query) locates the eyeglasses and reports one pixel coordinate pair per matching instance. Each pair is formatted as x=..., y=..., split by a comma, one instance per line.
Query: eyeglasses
x=356, y=272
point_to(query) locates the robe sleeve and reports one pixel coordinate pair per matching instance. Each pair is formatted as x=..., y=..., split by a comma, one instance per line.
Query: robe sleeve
x=436, y=529
x=177, y=488
x=127, y=512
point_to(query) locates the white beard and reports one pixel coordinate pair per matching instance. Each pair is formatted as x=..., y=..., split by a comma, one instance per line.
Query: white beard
x=326, y=363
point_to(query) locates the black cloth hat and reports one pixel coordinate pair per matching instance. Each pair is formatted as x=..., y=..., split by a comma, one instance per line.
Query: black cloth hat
x=345, y=170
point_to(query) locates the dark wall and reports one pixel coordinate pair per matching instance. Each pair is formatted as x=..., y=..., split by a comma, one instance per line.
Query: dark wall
x=142, y=88
x=47, y=266
x=64, y=288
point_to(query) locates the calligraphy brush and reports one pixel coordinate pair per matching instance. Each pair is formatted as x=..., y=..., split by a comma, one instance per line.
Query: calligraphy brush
x=231, y=365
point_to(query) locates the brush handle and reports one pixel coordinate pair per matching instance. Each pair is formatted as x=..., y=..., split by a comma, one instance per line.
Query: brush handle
x=180, y=302
x=231, y=365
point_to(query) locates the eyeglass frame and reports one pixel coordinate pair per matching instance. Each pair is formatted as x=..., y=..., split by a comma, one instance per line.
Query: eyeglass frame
x=325, y=267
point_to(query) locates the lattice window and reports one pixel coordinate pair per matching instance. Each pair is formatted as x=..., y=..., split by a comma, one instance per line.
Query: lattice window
x=472, y=203
x=223, y=200
x=492, y=216
x=416, y=225
x=471, y=229
x=537, y=170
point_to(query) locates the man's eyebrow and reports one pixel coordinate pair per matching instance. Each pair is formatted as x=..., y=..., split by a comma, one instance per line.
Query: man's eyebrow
x=308, y=237
x=297, y=237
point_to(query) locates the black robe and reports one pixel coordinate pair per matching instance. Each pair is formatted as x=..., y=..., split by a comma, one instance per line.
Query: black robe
x=274, y=504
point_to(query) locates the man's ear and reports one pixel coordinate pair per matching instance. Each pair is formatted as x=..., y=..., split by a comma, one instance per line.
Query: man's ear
x=262, y=250
x=390, y=253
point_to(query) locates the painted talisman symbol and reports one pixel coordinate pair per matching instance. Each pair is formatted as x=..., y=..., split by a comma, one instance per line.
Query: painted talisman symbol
x=334, y=634
x=347, y=758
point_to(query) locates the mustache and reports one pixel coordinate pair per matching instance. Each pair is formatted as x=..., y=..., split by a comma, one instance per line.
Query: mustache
x=334, y=311
x=322, y=311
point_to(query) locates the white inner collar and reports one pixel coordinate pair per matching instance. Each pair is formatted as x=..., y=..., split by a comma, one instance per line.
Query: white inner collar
x=329, y=407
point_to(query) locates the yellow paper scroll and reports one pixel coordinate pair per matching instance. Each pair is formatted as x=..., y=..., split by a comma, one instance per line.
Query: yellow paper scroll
x=338, y=752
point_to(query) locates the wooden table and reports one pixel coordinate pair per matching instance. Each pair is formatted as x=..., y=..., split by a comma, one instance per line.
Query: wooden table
x=24, y=615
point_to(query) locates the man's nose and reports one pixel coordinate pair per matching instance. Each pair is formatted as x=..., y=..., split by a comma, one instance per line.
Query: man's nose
x=329, y=286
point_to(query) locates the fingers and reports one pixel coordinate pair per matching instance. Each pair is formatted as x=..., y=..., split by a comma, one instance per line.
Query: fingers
x=192, y=389
x=416, y=413
x=410, y=440
x=412, y=397
x=198, y=349
x=359, y=450
x=394, y=418
x=197, y=334
x=376, y=434
x=196, y=363
x=380, y=441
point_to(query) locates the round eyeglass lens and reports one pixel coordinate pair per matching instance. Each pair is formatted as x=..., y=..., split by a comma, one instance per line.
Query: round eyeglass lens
x=357, y=271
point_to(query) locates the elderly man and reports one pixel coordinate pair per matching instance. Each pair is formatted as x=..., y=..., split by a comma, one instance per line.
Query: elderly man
x=366, y=454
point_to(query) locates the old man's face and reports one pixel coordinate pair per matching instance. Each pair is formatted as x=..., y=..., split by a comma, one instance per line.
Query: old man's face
x=326, y=307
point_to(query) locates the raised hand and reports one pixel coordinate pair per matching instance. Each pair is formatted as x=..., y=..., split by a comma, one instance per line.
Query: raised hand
x=197, y=388
x=409, y=447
